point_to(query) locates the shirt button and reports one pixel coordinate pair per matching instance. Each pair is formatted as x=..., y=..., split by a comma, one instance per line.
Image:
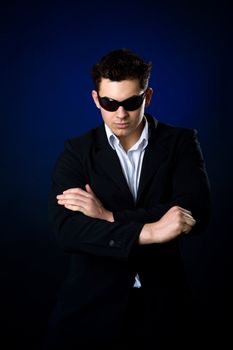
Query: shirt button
x=111, y=243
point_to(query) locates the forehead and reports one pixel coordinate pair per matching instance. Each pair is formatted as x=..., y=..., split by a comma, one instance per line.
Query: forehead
x=119, y=90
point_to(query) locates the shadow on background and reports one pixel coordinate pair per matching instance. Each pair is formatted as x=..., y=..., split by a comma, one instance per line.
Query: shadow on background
x=47, y=51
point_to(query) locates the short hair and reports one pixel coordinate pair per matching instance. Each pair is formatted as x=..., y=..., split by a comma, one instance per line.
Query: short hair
x=121, y=64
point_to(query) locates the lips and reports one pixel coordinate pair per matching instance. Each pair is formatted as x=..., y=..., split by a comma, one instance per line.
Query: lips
x=122, y=125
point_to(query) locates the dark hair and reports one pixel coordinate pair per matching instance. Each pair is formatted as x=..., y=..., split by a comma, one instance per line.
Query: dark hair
x=122, y=64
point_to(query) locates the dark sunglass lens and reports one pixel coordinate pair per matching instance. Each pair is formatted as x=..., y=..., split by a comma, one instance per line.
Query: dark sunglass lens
x=133, y=103
x=108, y=104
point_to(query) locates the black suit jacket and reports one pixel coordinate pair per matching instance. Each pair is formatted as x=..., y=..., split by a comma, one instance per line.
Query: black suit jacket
x=105, y=256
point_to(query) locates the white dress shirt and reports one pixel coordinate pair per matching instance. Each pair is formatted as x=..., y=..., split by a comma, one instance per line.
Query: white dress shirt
x=131, y=163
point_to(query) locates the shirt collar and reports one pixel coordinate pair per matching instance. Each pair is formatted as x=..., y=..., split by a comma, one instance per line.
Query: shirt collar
x=142, y=141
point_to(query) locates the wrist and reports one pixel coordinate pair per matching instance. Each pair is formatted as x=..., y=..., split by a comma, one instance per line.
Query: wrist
x=146, y=235
x=150, y=233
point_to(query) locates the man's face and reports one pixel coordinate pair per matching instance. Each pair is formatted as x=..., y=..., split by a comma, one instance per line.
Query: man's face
x=126, y=125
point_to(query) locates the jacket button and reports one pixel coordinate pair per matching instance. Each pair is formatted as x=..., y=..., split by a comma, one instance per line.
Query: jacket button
x=111, y=243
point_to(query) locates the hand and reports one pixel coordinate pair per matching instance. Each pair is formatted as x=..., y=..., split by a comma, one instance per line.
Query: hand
x=176, y=221
x=86, y=202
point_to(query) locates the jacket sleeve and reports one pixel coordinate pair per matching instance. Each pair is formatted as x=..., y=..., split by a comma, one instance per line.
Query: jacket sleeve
x=76, y=232
x=189, y=182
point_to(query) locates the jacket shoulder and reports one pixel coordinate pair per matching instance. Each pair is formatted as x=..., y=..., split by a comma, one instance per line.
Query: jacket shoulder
x=84, y=141
x=167, y=129
x=175, y=130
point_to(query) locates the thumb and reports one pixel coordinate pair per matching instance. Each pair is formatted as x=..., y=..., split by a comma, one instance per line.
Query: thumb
x=88, y=189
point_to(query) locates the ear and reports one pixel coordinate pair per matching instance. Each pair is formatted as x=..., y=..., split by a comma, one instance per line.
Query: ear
x=149, y=93
x=95, y=98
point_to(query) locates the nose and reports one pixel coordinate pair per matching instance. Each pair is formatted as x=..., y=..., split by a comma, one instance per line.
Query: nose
x=122, y=113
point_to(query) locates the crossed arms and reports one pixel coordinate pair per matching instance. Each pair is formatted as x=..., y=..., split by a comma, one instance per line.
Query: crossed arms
x=174, y=222
x=90, y=221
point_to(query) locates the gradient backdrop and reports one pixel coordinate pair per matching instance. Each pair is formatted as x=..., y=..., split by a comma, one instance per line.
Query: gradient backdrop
x=46, y=53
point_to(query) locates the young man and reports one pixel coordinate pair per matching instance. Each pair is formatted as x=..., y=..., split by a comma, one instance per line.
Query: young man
x=122, y=196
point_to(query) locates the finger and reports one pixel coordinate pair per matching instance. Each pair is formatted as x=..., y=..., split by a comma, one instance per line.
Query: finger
x=190, y=220
x=78, y=196
x=76, y=191
x=72, y=190
x=73, y=207
x=187, y=230
x=75, y=202
x=186, y=211
x=89, y=190
x=181, y=210
x=188, y=227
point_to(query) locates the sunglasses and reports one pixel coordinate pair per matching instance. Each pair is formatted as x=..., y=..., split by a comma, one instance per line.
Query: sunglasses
x=130, y=104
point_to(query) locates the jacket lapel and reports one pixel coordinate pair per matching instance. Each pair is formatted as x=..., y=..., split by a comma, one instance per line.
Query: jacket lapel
x=108, y=160
x=155, y=154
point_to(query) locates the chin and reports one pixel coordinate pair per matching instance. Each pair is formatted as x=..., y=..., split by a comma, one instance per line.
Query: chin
x=121, y=133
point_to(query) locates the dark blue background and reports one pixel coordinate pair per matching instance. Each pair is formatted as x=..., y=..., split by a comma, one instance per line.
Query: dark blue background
x=47, y=51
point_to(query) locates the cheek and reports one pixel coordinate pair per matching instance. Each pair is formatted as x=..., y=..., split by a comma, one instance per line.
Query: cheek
x=107, y=117
x=138, y=117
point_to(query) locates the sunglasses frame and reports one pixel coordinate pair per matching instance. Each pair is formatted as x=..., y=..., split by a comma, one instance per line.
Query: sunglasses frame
x=116, y=104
